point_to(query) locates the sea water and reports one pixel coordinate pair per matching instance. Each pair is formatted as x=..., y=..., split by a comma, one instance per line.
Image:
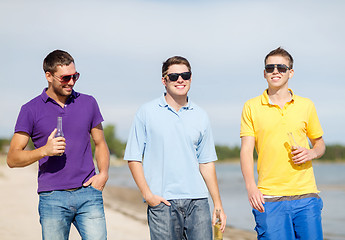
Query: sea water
x=330, y=179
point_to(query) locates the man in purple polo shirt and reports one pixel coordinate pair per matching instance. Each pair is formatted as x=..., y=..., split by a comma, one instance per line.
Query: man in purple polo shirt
x=69, y=189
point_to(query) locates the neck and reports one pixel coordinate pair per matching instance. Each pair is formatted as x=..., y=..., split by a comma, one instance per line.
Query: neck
x=279, y=96
x=278, y=93
x=61, y=100
x=176, y=102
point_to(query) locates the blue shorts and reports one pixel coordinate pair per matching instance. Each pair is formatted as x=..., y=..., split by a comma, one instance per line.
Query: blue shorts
x=292, y=217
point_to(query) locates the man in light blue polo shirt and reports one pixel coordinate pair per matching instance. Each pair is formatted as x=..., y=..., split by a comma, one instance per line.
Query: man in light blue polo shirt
x=171, y=154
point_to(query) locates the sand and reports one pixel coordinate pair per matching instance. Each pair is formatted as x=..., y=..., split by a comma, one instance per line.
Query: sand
x=124, y=209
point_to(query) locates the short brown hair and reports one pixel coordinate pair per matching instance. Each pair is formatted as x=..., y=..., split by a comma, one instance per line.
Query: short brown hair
x=282, y=52
x=56, y=58
x=172, y=61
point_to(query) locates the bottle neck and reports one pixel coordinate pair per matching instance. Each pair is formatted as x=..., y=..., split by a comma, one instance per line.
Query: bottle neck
x=59, y=132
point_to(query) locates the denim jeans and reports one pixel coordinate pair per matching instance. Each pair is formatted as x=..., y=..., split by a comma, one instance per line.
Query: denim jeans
x=82, y=207
x=184, y=219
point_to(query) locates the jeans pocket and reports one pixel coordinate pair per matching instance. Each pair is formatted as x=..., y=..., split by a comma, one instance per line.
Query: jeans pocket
x=46, y=194
x=92, y=187
x=157, y=207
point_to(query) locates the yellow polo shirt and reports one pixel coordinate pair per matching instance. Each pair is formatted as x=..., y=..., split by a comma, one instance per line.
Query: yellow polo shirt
x=270, y=124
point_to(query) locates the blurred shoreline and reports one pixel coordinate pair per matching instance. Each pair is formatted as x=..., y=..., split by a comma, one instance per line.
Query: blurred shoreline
x=124, y=209
x=129, y=202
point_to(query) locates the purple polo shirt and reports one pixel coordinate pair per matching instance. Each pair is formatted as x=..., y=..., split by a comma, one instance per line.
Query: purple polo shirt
x=38, y=118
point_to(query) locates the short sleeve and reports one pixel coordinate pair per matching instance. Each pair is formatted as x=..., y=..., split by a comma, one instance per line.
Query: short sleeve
x=97, y=117
x=314, y=129
x=247, y=126
x=206, y=150
x=136, y=141
x=25, y=121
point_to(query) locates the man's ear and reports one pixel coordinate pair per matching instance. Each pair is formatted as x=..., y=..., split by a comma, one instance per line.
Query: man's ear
x=164, y=81
x=291, y=73
x=49, y=77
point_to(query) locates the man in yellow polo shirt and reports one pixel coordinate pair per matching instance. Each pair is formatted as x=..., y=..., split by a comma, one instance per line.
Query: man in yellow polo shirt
x=278, y=124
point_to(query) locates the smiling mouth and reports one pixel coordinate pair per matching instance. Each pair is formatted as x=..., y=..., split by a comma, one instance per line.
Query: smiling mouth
x=68, y=88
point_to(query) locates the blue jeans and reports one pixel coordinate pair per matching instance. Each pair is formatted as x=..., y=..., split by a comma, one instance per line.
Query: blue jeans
x=184, y=219
x=82, y=207
x=290, y=220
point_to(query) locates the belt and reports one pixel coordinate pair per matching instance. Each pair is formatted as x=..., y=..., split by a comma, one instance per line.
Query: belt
x=72, y=189
x=294, y=197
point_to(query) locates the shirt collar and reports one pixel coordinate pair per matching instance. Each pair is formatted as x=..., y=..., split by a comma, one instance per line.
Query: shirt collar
x=163, y=103
x=265, y=100
x=45, y=96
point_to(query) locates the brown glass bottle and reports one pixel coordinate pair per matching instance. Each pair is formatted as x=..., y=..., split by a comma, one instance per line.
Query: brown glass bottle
x=217, y=233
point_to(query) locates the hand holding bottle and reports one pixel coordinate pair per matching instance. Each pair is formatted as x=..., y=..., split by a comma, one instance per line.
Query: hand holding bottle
x=55, y=146
x=218, y=234
x=59, y=132
x=300, y=155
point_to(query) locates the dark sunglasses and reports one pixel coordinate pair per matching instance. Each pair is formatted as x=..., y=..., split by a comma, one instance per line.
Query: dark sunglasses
x=282, y=68
x=67, y=78
x=174, y=76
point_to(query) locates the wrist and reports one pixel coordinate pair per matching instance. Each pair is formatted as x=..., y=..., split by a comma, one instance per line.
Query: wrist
x=43, y=152
x=104, y=174
x=147, y=196
x=312, y=154
x=251, y=186
x=218, y=206
x=316, y=155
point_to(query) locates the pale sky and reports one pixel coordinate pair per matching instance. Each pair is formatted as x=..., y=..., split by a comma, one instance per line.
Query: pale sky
x=119, y=47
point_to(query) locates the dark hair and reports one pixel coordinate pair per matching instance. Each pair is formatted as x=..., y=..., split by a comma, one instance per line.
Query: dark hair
x=172, y=61
x=56, y=58
x=282, y=52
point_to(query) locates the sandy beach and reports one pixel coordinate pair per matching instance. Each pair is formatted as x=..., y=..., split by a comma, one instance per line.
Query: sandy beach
x=124, y=209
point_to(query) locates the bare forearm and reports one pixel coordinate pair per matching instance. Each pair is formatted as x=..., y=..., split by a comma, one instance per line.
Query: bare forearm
x=255, y=196
x=23, y=158
x=247, y=167
x=208, y=172
x=18, y=157
x=247, y=161
x=319, y=147
x=101, y=154
x=102, y=158
x=137, y=171
x=139, y=178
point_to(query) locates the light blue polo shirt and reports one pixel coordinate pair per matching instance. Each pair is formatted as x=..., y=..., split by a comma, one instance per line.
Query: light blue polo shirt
x=172, y=145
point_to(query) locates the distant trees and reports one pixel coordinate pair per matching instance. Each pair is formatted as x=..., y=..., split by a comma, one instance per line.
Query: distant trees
x=225, y=152
x=335, y=152
x=115, y=145
x=230, y=153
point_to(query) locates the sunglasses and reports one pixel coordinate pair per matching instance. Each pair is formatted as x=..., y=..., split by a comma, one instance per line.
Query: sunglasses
x=67, y=78
x=282, y=68
x=174, y=76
